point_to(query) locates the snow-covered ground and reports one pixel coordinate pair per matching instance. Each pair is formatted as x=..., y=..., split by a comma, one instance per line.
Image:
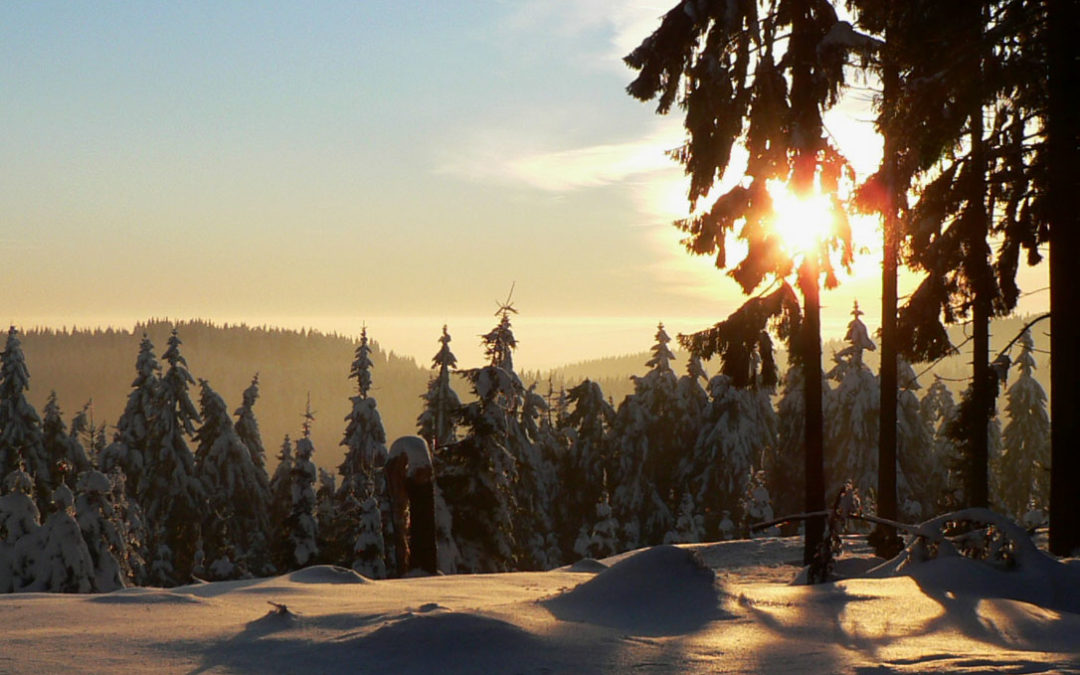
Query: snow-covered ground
x=654, y=610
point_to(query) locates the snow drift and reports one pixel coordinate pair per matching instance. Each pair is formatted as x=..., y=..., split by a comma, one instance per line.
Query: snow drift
x=664, y=590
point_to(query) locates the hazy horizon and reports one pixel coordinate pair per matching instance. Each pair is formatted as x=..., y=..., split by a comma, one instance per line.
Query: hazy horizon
x=544, y=342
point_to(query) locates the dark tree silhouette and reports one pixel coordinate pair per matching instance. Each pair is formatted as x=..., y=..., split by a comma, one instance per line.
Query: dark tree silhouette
x=955, y=112
x=760, y=74
x=1063, y=188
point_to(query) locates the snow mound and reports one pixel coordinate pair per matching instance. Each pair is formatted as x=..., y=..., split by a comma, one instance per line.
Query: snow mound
x=587, y=565
x=147, y=596
x=442, y=641
x=327, y=574
x=665, y=590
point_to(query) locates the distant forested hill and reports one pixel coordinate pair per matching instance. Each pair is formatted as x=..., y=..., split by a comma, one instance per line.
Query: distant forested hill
x=100, y=364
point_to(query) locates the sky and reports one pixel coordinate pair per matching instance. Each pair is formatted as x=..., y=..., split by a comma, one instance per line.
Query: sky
x=344, y=164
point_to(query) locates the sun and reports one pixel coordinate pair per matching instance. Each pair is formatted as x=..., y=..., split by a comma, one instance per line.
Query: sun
x=802, y=222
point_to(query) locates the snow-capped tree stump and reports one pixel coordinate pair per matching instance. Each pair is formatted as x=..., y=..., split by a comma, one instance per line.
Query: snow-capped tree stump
x=410, y=479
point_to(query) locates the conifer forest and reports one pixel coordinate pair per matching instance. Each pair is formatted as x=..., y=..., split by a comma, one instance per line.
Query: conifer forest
x=527, y=477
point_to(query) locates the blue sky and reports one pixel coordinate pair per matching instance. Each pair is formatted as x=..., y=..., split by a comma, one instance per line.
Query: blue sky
x=339, y=163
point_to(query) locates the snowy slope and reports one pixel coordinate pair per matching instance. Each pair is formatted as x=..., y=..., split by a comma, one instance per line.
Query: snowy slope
x=656, y=610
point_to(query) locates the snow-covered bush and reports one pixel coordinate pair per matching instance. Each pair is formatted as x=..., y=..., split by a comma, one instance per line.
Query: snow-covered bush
x=975, y=533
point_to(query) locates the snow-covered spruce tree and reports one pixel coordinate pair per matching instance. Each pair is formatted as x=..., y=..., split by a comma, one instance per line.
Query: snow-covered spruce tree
x=136, y=538
x=129, y=450
x=852, y=415
x=536, y=485
x=104, y=531
x=645, y=450
x=500, y=343
x=61, y=446
x=54, y=432
x=20, y=522
x=20, y=426
x=693, y=399
x=919, y=478
x=739, y=428
x=83, y=440
x=441, y=402
x=604, y=540
x=95, y=442
x=326, y=509
x=446, y=547
x=586, y=462
x=937, y=405
x=937, y=408
x=172, y=495
x=756, y=503
x=247, y=428
x=234, y=523
x=726, y=528
x=965, y=480
x=530, y=474
x=689, y=525
x=783, y=463
x=558, y=407
x=281, y=507
x=160, y=570
x=365, y=456
x=301, y=523
x=553, y=442
x=369, y=548
x=479, y=473
x=436, y=425
x=1025, y=458
x=62, y=561
x=583, y=538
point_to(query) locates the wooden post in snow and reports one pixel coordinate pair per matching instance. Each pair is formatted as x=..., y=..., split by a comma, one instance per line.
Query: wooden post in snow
x=410, y=476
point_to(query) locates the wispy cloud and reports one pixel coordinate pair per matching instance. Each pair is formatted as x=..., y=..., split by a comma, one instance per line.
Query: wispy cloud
x=532, y=151
x=502, y=156
x=597, y=164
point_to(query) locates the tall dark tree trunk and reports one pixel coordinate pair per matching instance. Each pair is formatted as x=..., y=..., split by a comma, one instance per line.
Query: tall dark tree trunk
x=984, y=386
x=887, y=431
x=1063, y=134
x=815, y=458
x=807, y=128
x=974, y=225
x=806, y=118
